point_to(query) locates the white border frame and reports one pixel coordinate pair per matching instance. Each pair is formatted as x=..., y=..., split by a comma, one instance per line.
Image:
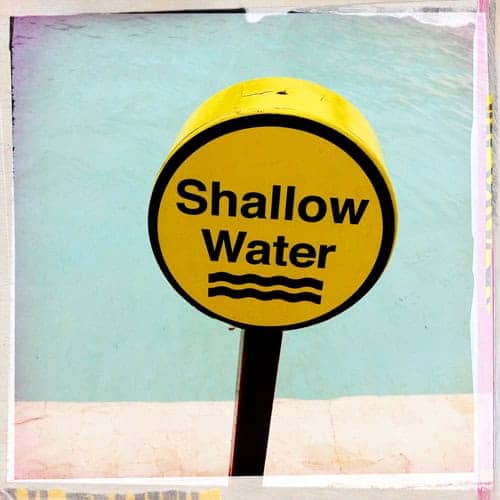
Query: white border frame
x=14, y=8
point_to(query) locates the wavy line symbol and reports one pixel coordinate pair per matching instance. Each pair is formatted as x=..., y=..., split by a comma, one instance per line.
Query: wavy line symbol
x=243, y=279
x=257, y=294
x=255, y=279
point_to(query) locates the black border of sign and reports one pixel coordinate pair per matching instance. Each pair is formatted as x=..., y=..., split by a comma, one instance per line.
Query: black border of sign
x=287, y=121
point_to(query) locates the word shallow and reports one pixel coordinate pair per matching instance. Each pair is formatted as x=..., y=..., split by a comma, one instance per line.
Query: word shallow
x=310, y=208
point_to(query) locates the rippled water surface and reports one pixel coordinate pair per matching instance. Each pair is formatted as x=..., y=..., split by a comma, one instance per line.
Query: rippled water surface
x=98, y=103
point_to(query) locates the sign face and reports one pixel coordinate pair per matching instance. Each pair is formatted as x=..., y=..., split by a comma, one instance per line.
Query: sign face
x=271, y=220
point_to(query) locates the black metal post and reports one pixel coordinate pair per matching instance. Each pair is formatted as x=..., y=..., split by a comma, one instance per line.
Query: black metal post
x=258, y=368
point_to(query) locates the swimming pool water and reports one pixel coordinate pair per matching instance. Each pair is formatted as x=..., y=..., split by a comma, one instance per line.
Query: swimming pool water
x=99, y=101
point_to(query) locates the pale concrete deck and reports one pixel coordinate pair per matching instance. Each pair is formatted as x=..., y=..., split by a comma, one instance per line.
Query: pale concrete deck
x=392, y=434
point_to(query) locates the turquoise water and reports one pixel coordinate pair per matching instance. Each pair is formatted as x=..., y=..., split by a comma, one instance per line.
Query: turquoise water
x=98, y=103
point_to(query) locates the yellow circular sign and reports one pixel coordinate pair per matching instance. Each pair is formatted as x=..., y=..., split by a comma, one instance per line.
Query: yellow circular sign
x=273, y=217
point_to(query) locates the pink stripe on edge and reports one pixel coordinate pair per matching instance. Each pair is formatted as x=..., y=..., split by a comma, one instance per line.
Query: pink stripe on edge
x=483, y=275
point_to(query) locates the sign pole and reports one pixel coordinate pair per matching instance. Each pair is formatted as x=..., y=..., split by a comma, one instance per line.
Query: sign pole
x=258, y=368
